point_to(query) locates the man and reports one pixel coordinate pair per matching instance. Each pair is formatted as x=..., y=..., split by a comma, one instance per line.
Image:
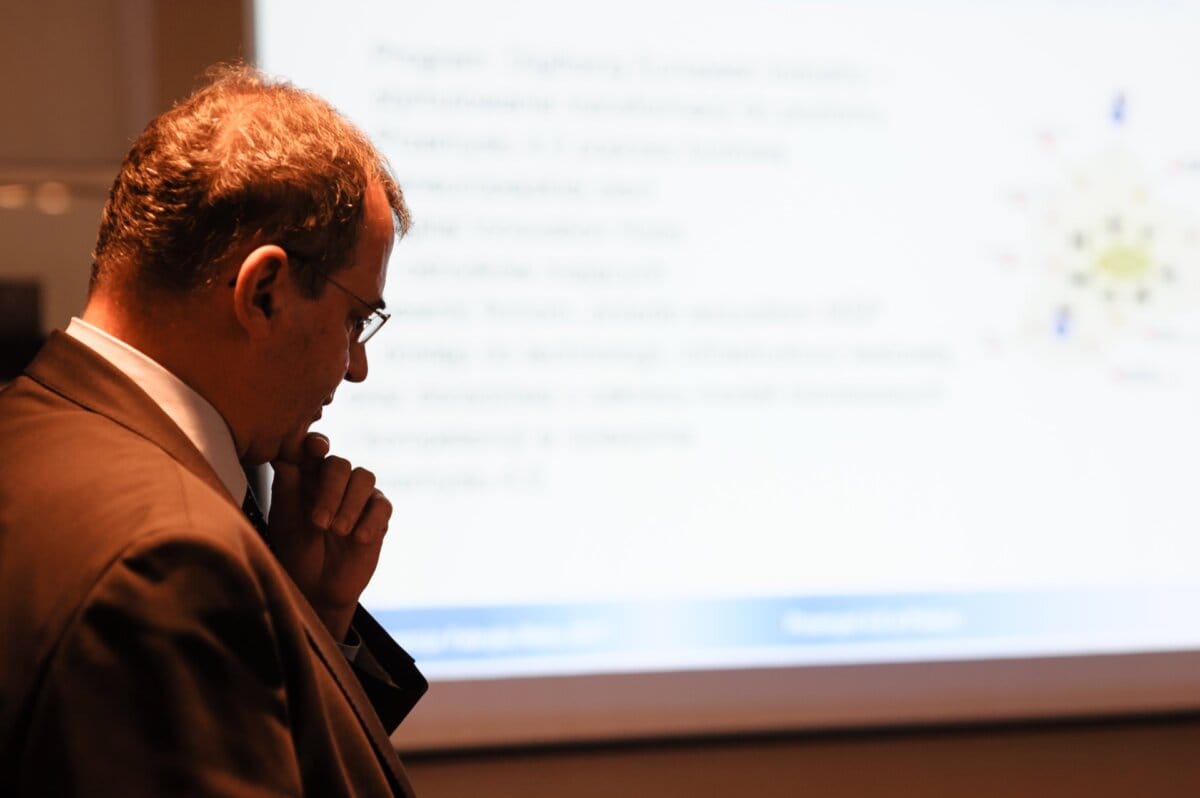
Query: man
x=157, y=637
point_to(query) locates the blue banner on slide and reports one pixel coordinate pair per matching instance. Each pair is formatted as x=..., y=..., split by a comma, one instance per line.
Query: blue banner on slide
x=540, y=639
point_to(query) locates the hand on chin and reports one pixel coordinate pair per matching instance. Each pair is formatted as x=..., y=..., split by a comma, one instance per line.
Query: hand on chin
x=327, y=525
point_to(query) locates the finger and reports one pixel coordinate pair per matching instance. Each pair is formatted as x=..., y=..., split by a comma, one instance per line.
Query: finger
x=331, y=480
x=303, y=450
x=373, y=524
x=354, y=500
x=315, y=446
x=285, y=478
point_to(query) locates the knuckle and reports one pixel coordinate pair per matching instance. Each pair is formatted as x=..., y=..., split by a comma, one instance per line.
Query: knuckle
x=365, y=477
x=382, y=502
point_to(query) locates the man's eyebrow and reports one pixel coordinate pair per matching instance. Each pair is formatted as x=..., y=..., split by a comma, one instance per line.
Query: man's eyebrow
x=379, y=304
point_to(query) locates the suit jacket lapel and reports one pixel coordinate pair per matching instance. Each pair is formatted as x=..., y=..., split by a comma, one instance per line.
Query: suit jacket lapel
x=335, y=662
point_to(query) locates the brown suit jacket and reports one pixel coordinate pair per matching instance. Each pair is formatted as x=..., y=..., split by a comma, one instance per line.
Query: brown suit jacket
x=150, y=644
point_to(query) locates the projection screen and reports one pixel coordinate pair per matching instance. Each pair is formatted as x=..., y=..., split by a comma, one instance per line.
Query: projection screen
x=778, y=365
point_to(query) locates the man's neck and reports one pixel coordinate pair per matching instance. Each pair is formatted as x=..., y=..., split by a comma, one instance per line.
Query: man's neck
x=186, y=343
x=195, y=416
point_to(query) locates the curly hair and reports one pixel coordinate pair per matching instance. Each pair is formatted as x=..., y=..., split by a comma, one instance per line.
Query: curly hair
x=243, y=160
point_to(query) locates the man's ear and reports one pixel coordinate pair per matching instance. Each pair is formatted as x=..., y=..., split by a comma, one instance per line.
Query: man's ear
x=257, y=288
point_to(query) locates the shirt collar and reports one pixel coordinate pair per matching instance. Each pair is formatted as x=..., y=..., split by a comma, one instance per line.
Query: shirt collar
x=193, y=414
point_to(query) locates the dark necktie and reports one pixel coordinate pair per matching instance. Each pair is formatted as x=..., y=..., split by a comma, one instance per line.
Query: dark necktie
x=250, y=508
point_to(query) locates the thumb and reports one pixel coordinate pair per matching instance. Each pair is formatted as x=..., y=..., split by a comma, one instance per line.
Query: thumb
x=315, y=446
x=303, y=450
x=298, y=459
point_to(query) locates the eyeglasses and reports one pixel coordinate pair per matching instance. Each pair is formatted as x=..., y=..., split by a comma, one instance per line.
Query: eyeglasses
x=365, y=327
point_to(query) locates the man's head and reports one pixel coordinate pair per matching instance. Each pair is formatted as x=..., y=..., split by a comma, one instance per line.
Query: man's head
x=231, y=215
x=241, y=161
